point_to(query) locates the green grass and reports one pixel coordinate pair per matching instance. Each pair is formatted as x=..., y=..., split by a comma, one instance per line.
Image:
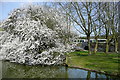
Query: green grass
x=100, y=61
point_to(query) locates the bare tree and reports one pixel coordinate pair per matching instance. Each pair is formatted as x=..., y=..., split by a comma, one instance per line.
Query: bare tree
x=114, y=24
x=110, y=22
x=119, y=23
x=105, y=19
x=82, y=13
x=96, y=26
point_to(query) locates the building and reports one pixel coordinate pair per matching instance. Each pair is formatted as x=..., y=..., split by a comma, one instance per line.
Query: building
x=78, y=40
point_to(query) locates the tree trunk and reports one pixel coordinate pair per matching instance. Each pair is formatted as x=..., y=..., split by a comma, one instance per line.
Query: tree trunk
x=116, y=46
x=107, y=46
x=119, y=26
x=89, y=48
x=96, y=46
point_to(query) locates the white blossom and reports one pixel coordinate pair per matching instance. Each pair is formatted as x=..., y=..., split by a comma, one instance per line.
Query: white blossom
x=29, y=39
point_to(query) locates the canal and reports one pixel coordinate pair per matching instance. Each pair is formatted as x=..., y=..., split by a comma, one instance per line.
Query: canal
x=13, y=70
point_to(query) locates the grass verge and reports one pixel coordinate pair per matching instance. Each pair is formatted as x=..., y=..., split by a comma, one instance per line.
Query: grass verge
x=108, y=63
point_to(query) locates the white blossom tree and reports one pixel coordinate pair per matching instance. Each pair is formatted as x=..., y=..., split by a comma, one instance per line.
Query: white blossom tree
x=34, y=35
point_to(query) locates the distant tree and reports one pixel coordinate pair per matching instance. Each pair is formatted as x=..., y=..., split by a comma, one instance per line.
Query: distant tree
x=118, y=8
x=114, y=24
x=109, y=20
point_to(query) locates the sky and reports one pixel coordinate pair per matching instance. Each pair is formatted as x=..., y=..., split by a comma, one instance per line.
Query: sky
x=7, y=7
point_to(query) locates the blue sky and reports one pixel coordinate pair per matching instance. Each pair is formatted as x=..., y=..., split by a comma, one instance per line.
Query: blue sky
x=7, y=7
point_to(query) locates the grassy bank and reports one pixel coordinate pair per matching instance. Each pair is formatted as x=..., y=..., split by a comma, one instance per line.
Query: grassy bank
x=100, y=61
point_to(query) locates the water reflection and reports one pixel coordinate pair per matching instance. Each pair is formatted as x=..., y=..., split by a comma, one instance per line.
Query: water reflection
x=12, y=70
x=88, y=75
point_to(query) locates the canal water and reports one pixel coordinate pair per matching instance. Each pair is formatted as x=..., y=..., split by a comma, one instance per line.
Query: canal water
x=13, y=70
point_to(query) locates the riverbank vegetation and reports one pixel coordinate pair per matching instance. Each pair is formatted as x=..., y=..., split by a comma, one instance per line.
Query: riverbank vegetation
x=101, y=62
